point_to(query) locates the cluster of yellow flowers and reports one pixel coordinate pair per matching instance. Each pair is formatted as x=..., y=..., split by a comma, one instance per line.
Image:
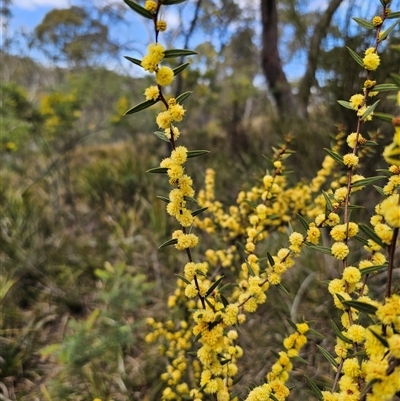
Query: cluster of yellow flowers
x=365, y=355
x=274, y=388
x=60, y=110
x=379, y=369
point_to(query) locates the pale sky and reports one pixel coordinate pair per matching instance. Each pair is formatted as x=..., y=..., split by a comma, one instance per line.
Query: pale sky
x=33, y=4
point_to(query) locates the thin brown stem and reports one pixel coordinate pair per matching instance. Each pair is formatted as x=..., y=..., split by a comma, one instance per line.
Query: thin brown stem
x=392, y=249
x=338, y=373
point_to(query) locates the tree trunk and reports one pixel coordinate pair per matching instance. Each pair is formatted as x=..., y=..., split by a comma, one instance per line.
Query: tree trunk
x=271, y=61
x=314, y=50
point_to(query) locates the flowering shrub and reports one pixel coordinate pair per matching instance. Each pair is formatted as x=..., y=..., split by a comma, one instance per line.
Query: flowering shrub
x=366, y=362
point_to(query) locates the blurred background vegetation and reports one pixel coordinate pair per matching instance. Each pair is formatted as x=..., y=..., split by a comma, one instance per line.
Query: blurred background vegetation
x=79, y=219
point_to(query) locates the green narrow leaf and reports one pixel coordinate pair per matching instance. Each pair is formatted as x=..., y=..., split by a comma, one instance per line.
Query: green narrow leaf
x=369, y=110
x=334, y=156
x=139, y=9
x=353, y=207
x=180, y=68
x=134, y=60
x=183, y=96
x=198, y=211
x=212, y=324
x=251, y=203
x=235, y=381
x=385, y=87
x=315, y=333
x=196, y=153
x=345, y=104
x=380, y=338
x=161, y=135
x=379, y=189
x=294, y=327
x=340, y=334
x=367, y=181
x=361, y=306
x=364, y=23
x=270, y=259
x=303, y=222
x=141, y=106
x=235, y=394
x=393, y=15
x=225, y=302
x=183, y=279
x=195, y=340
x=361, y=239
x=178, y=52
x=327, y=200
x=328, y=356
x=226, y=286
x=170, y=242
x=188, y=198
x=282, y=288
x=213, y=286
x=396, y=78
x=157, y=170
x=315, y=389
x=275, y=354
x=384, y=116
x=372, y=269
x=240, y=245
x=340, y=297
x=299, y=359
x=355, y=56
x=171, y=2
x=322, y=249
x=200, y=273
x=163, y=198
x=385, y=33
x=272, y=397
x=370, y=233
x=270, y=162
x=370, y=143
x=251, y=271
x=384, y=171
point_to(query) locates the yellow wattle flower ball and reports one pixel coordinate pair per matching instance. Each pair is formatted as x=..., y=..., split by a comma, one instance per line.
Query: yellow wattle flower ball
x=177, y=112
x=164, y=76
x=394, y=345
x=151, y=6
x=390, y=209
x=350, y=160
x=356, y=101
x=152, y=93
x=161, y=25
x=351, y=275
x=339, y=250
x=377, y=21
x=371, y=61
x=164, y=119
